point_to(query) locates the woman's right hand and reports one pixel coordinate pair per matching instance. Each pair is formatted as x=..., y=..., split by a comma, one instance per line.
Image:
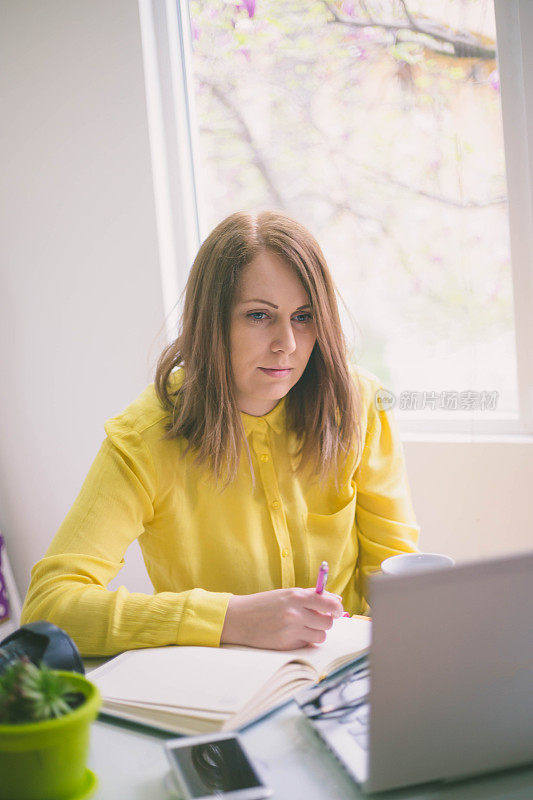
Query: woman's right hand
x=281, y=619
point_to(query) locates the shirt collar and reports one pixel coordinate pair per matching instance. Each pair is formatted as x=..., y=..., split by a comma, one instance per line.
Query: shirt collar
x=275, y=419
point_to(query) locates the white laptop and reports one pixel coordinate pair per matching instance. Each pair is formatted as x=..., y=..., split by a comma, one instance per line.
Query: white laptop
x=450, y=690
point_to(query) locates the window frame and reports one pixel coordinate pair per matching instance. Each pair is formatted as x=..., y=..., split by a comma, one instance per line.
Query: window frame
x=514, y=29
x=167, y=50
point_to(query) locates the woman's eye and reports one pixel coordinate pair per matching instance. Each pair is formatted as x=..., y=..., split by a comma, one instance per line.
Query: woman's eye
x=257, y=316
x=303, y=317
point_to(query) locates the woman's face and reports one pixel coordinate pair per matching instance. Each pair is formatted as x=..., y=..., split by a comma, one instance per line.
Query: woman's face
x=272, y=333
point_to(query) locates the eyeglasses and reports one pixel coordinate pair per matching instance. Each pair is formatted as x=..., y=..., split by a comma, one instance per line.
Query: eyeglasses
x=340, y=698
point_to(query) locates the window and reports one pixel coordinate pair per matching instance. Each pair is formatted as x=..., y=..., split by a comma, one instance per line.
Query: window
x=379, y=126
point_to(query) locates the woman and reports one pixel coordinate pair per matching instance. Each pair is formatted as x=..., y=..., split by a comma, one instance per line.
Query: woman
x=239, y=472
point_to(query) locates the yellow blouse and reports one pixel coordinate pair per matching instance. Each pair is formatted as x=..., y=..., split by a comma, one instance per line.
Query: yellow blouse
x=201, y=544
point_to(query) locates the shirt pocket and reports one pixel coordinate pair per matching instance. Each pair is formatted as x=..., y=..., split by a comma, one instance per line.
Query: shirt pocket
x=332, y=538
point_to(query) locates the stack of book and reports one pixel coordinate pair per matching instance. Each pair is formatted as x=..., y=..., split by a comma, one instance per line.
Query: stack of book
x=204, y=689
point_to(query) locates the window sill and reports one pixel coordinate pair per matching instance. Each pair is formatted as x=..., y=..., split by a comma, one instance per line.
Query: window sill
x=429, y=437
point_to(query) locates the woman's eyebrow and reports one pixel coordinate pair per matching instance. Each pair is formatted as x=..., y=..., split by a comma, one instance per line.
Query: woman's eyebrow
x=268, y=303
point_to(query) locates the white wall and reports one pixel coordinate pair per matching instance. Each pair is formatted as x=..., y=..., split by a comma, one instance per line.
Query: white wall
x=80, y=285
x=473, y=499
x=82, y=308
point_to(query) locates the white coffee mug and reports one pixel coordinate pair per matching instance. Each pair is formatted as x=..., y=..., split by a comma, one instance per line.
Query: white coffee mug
x=411, y=563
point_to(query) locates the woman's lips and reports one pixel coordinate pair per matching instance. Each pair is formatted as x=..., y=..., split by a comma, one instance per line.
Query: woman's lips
x=276, y=373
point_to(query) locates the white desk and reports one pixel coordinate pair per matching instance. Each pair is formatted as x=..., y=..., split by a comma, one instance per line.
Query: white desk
x=131, y=765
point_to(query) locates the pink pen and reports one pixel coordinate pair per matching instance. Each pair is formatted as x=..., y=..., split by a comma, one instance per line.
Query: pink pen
x=321, y=581
x=322, y=577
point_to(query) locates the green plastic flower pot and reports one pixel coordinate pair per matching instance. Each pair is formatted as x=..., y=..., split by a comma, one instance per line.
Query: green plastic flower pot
x=47, y=760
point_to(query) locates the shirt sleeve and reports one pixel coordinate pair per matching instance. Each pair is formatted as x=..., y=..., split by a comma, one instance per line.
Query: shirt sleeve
x=68, y=586
x=385, y=519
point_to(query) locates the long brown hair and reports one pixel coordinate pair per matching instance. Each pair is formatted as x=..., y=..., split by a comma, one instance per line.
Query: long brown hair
x=323, y=408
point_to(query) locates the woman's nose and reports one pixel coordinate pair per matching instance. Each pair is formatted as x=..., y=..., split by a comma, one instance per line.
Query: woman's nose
x=284, y=340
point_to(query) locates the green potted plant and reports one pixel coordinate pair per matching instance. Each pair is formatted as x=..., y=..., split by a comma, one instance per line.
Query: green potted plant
x=45, y=719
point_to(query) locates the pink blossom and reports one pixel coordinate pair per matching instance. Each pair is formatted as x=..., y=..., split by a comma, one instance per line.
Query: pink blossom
x=249, y=5
x=494, y=80
x=195, y=31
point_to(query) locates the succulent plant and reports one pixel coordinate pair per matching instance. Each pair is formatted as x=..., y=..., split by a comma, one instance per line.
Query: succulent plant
x=29, y=693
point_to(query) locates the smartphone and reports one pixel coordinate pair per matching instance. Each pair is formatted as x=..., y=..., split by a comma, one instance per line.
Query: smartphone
x=210, y=766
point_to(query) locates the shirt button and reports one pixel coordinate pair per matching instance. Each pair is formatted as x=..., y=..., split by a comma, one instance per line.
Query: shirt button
x=275, y=504
x=264, y=457
x=284, y=552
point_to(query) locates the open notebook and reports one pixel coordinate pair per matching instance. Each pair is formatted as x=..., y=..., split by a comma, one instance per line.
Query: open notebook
x=204, y=689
